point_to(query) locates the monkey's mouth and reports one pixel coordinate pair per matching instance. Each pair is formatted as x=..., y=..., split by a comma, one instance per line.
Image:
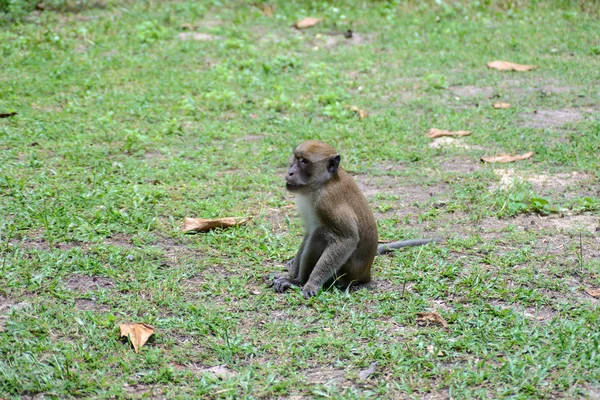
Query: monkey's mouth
x=292, y=187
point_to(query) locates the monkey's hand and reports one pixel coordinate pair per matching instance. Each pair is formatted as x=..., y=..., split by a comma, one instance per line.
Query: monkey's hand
x=309, y=290
x=282, y=283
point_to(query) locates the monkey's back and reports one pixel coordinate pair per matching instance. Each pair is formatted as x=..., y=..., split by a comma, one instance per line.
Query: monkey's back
x=352, y=216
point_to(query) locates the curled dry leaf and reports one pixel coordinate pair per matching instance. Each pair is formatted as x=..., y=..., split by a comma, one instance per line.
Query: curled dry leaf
x=307, y=22
x=203, y=225
x=203, y=37
x=510, y=66
x=430, y=350
x=593, y=292
x=431, y=317
x=506, y=158
x=501, y=105
x=362, y=113
x=365, y=373
x=220, y=371
x=268, y=9
x=138, y=334
x=7, y=115
x=434, y=133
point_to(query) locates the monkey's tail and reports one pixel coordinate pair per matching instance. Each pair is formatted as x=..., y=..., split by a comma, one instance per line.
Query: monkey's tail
x=389, y=247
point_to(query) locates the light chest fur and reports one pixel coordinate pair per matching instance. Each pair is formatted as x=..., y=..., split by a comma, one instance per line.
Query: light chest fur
x=307, y=213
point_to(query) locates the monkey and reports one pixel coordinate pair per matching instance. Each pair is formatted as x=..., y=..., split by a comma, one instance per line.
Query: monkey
x=340, y=240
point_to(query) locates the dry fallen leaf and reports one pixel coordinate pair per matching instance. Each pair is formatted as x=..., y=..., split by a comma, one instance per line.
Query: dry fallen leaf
x=506, y=158
x=6, y=115
x=268, y=9
x=593, y=292
x=430, y=350
x=307, y=22
x=203, y=225
x=220, y=371
x=501, y=105
x=433, y=317
x=434, y=133
x=362, y=113
x=203, y=37
x=138, y=334
x=365, y=373
x=509, y=66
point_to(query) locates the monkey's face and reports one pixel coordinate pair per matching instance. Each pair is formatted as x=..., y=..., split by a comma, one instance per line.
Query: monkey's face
x=313, y=164
x=299, y=174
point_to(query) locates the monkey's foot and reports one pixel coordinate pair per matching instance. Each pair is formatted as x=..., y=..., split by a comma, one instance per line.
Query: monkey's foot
x=282, y=284
x=309, y=290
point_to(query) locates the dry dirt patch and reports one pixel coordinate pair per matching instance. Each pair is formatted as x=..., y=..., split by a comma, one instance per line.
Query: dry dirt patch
x=551, y=118
x=90, y=305
x=472, y=91
x=6, y=304
x=85, y=283
x=545, y=183
x=324, y=374
x=543, y=314
x=557, y=223
x=386, y=184
x=337, y=40
x=460, y=165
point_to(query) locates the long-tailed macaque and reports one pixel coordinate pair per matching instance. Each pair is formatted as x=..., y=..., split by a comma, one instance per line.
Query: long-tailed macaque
x=340, y=240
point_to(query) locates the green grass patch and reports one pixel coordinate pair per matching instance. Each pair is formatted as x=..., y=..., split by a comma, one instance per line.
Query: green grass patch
x=127, y=123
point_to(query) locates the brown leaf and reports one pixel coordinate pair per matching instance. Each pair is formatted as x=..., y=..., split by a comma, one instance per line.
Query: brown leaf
x=434, y=133
x=307, y=22
x=220, y=371
x=138, y=334
x=593, y=292
x=268, y=9
x=203, y=225
x=432, y=317
x=362, y=113
x=430, y=350
x=501, y=105
x=509, y=66
x=365, y=373
x=187, y=26
x=7, y=115
x=506, y=158
x=203, y=37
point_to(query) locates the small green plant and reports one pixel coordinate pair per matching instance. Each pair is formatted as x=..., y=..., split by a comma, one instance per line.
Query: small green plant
x=436, y=81
x=151, y=31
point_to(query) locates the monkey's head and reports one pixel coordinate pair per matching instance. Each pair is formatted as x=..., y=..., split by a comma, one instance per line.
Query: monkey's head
x=313, y=164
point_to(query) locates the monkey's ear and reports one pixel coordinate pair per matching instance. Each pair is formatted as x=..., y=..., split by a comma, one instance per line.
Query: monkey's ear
x=334, y=163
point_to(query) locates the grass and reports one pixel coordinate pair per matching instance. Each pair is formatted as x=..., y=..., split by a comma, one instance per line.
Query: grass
x=123, y=129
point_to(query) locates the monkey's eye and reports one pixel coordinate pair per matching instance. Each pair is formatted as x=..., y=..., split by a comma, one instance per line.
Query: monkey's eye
x=304, y=161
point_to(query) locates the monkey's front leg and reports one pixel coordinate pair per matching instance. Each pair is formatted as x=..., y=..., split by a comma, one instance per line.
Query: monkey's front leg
x=335, y=255
x=283, y=282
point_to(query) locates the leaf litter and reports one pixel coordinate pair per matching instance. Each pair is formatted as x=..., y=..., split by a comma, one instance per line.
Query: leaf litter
x=434, y=317
x=138, y=334
x=361, y=113
x=307, y=22
x=435, y=133
x=506, y=158
x=510, y=66
x=204, y=225
x=365, y=373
